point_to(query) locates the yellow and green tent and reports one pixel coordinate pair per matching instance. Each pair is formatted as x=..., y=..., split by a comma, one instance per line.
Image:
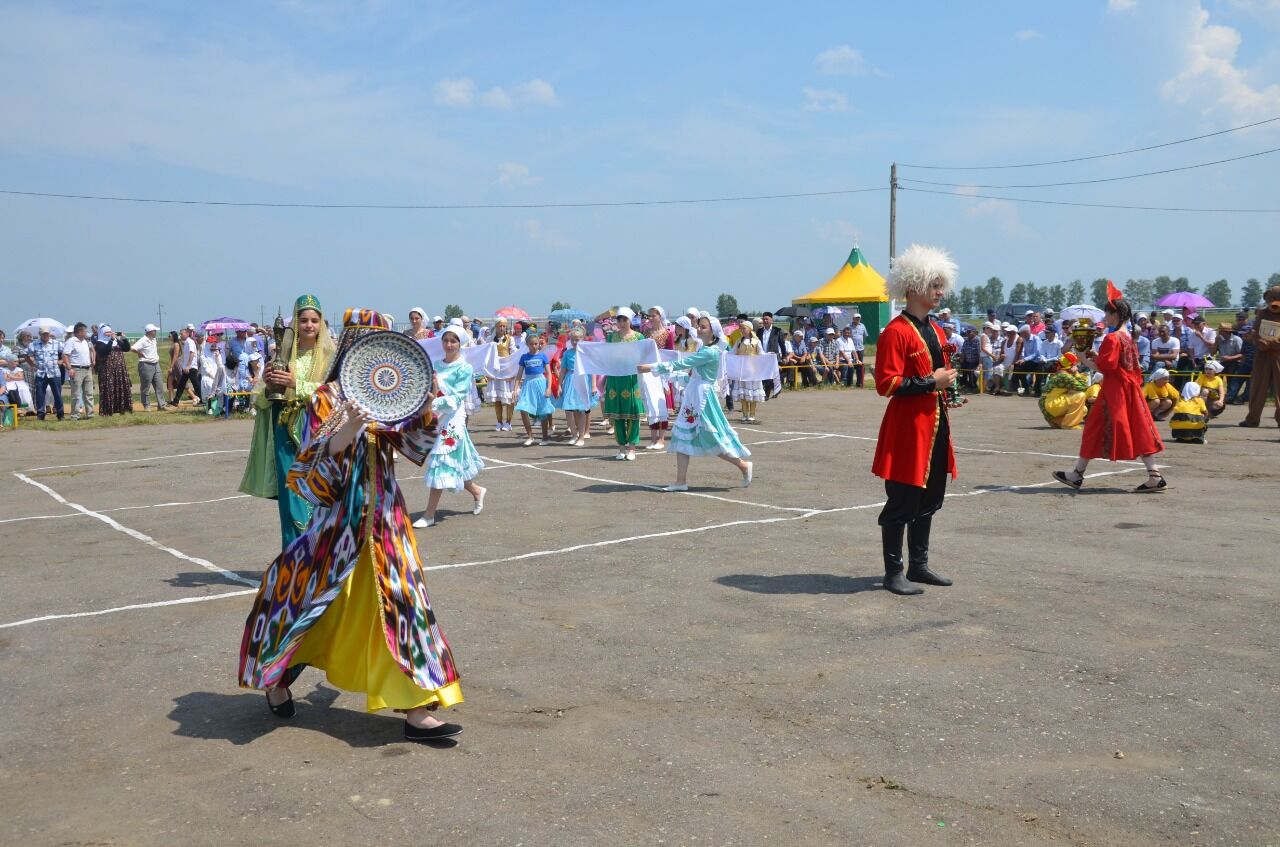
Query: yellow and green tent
x=856, y=285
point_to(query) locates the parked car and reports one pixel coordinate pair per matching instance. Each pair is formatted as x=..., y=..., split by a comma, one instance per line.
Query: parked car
x=1016, y=313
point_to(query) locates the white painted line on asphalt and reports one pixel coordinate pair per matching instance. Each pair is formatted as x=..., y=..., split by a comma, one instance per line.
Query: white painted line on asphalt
x=179, y=602
x=666, y=534
x=128, y=509
x=131, y=461
x=653, y=487
x=562, y=550
x=133, y=533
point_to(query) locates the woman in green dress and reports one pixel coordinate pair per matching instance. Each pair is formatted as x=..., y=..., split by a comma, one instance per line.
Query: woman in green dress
x=277, y=427
x=623, y=403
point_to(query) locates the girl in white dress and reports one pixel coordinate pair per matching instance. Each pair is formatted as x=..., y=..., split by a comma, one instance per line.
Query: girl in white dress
x=748, y=392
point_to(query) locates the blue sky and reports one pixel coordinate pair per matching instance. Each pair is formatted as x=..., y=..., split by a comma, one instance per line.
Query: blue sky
x=385, y=102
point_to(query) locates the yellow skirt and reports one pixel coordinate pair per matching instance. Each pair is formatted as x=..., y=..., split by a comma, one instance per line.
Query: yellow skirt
x=348, y=644
x=1065, y=409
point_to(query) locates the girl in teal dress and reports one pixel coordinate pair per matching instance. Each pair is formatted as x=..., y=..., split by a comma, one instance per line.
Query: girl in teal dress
x=701, y=428
x=454, y=463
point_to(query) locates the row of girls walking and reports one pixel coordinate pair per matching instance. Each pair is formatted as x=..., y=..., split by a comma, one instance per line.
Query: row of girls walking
x=347, y=594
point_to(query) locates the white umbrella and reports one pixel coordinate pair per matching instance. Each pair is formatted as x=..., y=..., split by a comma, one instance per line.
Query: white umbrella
x=1075, y=313
x=34, y=324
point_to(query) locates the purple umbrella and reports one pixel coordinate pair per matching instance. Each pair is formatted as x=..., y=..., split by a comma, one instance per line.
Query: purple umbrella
x=1184, y=300
x=225, y=325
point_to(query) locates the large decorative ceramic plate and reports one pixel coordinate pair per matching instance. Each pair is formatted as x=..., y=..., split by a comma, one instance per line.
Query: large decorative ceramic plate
x=388, y=374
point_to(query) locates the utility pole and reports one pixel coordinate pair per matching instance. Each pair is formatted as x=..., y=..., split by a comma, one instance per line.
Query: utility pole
x=893, y=211
x=160, y=315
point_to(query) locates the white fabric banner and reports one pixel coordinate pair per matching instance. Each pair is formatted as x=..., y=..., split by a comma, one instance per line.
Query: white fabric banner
x=483, y=358
x=605, y=359
x=751, y=368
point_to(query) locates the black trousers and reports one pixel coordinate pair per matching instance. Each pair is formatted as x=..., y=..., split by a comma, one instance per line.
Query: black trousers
x=905, y=502
x=193, y=378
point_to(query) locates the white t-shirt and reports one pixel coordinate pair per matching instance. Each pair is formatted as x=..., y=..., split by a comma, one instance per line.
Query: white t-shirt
x=189, y=362
x=1170, y=346
x=146, y=349
x=77, y=352
x=1200, y=349
x=845, y=346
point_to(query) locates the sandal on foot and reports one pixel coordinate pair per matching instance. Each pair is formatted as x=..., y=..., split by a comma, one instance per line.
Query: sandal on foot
x=435, y=733
x=1061, y=476
x=1147, y=489
x=283, y=710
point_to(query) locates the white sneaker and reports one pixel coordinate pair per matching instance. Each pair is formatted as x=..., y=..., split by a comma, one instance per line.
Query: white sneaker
x=497, y=427
x=479, y=507
x=621, y=457
x=543, y=443
x=424, y=522
x=746, y=476
x=676, y=486
x=631, y=457
x=528, y=442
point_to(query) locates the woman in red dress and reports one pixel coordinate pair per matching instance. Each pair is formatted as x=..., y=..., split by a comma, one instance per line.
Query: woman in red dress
x=1119, y=427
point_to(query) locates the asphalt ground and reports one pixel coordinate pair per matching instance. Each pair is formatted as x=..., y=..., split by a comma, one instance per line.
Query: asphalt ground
x=717, y=668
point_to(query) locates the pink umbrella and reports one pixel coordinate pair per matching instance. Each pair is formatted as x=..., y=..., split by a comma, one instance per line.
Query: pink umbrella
x=1184, y=300
x=224, y=325
x=512, y=313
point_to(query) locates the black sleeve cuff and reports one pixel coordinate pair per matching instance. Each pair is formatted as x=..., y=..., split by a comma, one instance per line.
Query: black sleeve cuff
x=916, y=385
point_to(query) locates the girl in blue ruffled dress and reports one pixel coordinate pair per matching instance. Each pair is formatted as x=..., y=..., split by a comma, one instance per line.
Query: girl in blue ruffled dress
x=534, y=391
x=454, y=462
x=701, y=428
x=577, y=391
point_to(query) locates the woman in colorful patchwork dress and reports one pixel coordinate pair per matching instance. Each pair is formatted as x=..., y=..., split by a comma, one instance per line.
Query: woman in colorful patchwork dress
x=348, y=596
x=623, y=404
x=577, y=391
x=534, y=390
x=454, y=462
x=501, y=392
x=1062, y=402
x=277, y=425
x=701, y=428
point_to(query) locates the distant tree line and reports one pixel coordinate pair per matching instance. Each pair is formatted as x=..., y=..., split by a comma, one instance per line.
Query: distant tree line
x=1142, y=292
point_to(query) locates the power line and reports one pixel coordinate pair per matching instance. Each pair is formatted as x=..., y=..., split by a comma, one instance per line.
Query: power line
x=1091, y=158
x=436, y=207
x=1093, y=181
x=1088, y=205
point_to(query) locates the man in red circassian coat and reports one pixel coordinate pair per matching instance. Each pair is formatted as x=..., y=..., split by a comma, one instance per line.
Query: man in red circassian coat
x=913, y=452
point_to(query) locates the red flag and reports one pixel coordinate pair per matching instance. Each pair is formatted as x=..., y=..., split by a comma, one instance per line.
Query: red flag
x=1113, y=293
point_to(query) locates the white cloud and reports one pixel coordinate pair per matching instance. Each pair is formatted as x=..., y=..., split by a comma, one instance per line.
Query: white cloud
x=462, y=93
x=1027, y=35
x=842, y=61
x=455, y=92
x=1211, y=77
x=1114, y=6
x=546, y=239
x=516, y=175
x=537, y=92
x=824, y=100
x=1006, y=217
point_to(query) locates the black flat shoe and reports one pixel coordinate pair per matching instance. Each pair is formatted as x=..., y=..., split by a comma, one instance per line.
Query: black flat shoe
x=1147, y=489
x=896, y=583
x=435, y=733
x=926, y=577
x=1061, y=476
x=285, y=710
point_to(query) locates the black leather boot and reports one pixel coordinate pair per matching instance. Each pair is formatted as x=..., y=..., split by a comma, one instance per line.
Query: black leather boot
x=918, y=553
x=891, y=539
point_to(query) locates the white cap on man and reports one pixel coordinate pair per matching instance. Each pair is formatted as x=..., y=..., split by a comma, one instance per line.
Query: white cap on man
x=945, y=310
x=831, y=330
x=1168, y=313
x=437, y=320
x=151, y=328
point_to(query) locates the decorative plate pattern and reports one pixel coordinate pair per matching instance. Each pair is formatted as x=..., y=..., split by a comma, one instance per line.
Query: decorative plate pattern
x=388, y=374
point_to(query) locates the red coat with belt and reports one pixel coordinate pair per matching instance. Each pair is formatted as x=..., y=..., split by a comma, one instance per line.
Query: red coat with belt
x=911, y=423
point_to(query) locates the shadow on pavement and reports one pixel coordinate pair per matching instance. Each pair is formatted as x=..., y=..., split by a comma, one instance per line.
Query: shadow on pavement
x=801, y=583
x=201, y=579
x=243, y=718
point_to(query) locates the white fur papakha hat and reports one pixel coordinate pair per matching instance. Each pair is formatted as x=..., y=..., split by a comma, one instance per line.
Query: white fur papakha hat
x=916, y=269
